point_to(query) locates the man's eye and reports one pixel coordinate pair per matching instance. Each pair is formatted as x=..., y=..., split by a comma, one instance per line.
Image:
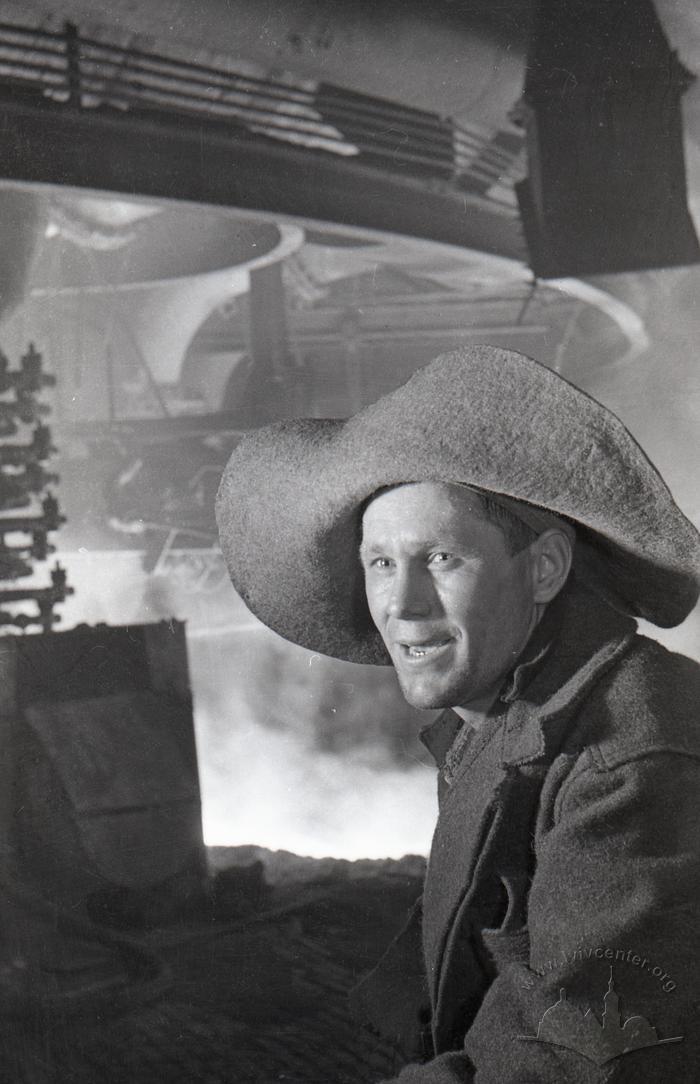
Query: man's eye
x=440, y=558
x=381, y=563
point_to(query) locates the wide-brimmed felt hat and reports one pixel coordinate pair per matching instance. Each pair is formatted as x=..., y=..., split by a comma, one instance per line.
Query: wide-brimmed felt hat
x=290, y=502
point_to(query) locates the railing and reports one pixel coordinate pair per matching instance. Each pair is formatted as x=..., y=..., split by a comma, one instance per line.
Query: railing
x=85, y=73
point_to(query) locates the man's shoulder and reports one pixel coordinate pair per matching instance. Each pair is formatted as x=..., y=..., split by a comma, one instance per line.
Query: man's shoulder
x=646, y=704
x=650, y=673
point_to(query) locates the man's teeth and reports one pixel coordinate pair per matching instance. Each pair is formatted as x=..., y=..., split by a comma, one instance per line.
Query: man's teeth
x=417, y=651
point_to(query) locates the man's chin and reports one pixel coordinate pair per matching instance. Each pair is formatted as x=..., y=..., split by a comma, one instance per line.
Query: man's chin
x=422, y=696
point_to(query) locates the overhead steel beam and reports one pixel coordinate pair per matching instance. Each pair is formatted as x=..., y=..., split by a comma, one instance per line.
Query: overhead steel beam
x=217, y=163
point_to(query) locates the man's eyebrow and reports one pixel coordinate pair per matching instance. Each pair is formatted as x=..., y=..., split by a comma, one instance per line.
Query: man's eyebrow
x=443, y=542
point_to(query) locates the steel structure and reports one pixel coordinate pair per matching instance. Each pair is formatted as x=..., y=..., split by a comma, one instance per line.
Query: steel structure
x=87, y=112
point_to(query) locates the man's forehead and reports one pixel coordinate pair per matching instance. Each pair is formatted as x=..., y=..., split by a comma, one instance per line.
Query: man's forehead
x=429, y=510
x=409, y=493
x=406, y=490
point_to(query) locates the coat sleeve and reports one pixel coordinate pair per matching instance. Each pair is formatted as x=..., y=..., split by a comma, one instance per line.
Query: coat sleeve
x=610, y=993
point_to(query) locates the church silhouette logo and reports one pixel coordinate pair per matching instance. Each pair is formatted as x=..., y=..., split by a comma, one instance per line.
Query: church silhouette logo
x=564, y=1024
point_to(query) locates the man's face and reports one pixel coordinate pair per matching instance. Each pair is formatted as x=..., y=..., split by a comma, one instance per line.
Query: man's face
x=453, y=606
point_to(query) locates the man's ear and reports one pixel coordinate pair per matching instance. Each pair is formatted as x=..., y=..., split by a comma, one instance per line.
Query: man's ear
x=551, y=554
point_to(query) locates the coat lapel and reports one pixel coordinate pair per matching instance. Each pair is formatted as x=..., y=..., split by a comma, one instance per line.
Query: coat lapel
x=487, y=815
x=465, y=969
x=465, y=825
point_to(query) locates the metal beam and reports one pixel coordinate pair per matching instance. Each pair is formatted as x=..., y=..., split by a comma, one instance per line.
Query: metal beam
x=217, y=163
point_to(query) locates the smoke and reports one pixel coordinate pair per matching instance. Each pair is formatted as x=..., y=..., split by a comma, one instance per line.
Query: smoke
x=277, y=790
x=307, y=754
x=296, y=751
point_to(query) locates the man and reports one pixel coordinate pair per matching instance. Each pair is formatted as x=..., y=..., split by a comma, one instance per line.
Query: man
x=493, y=533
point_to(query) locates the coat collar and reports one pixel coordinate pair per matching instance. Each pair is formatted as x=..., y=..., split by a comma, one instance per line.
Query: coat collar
x=578, y=639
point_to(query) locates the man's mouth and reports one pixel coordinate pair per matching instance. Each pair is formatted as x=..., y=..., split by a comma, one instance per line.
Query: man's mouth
x=424, y=649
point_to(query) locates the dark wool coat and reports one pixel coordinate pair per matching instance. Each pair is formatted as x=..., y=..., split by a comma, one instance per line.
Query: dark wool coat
x=561, y=911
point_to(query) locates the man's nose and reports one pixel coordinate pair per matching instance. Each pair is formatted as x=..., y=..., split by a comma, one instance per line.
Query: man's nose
x=411, y=594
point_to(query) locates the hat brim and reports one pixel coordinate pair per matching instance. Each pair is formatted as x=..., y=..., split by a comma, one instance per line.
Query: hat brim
x=290, y=501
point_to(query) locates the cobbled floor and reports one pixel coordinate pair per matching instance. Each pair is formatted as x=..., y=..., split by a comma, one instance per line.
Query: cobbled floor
x=253, y=1001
